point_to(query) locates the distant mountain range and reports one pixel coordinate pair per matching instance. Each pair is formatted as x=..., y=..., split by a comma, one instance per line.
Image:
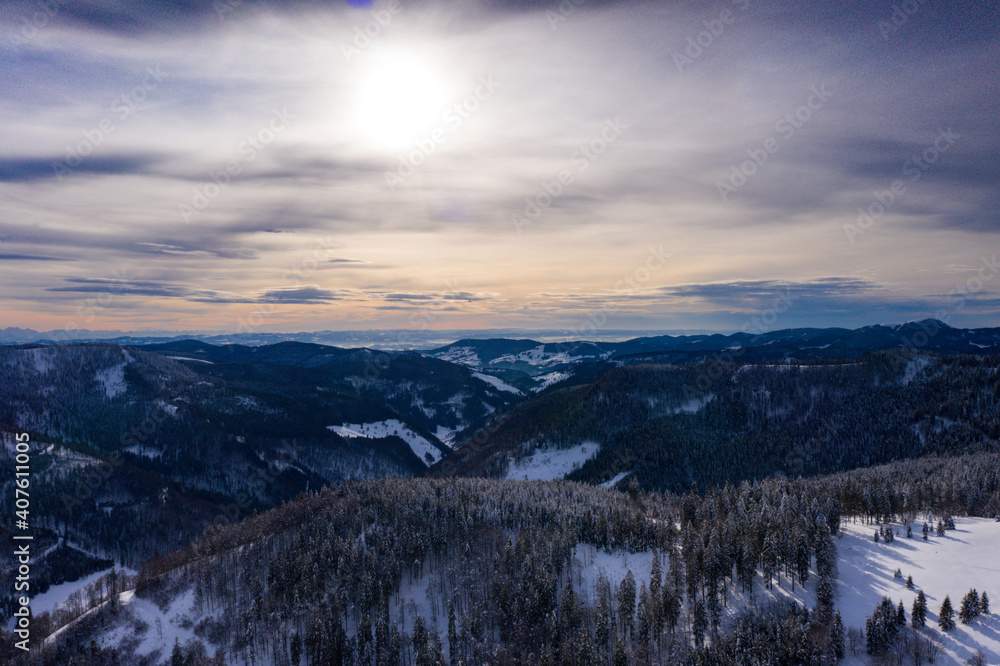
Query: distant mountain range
x=397, y=339
x=537, y=358
x=518, y=349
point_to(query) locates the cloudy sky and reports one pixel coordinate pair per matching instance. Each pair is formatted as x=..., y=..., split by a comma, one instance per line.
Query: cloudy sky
x=289, y=166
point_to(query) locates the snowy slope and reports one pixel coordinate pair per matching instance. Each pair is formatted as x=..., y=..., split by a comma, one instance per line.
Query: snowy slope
x=612, y=482
x=549, y=379
x=427, y=452
x=550, y=463
x=496, y=382
x=58, y=594
x=951, y=565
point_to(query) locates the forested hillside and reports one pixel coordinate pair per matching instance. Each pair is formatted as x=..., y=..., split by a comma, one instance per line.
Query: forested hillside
x=670, y=426
x=138, y=451
x=323, y=580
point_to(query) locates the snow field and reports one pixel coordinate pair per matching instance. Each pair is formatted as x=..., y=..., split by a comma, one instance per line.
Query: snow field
x=496, y=382
x=388, y=428
x=547, y=464
x=964, y=558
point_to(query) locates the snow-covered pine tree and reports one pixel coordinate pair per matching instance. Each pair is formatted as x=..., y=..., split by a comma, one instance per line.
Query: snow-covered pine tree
x=969, y=608
x=918, y=616
x=946, y=616
x=837, y=636
x=699, y=624
x=626, y=603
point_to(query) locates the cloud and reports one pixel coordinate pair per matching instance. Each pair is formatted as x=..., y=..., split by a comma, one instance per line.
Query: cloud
x=300, y=295
x=29, y=257
x=736, y=290
x=29, y=169
x=314, y=201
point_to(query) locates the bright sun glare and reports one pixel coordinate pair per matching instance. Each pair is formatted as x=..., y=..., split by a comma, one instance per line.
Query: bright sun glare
x=401, y=99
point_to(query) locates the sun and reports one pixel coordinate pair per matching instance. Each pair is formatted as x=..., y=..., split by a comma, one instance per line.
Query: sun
x=402, y=97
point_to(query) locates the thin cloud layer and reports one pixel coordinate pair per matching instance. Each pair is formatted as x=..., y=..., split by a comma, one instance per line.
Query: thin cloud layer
x=488, y=164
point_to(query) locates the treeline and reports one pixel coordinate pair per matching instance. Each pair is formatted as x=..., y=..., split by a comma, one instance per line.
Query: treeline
x=326, y=579
x=716, y=422
x=323, y=579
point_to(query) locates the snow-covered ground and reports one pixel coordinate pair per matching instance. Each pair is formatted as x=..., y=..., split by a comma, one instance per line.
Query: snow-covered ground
x=162, y=627
x=58, y=594
x=196, y=360
x=112, y=380
x=590, y=562
x=914, y=368
x=548, y=380
x=145, y=452
x=496, y=382
x=612, y=482
x=551, y=463
x=419, y=445
x=461, y=355
x=962, y=559
x=42, y=360
x=539, y=357
x=694, y=405
x=446, y=435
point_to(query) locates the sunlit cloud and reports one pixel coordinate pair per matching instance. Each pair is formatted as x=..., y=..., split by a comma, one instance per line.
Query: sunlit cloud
x=278, y=154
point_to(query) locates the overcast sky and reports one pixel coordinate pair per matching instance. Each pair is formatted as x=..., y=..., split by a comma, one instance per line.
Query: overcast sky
x=270, y=166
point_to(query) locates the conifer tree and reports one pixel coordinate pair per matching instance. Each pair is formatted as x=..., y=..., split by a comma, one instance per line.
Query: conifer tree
x=946, y=616
x=984, y=604
x=699, y=624
x=837, y=636
x=621, y=655
x=452, y=634
x=969, y=608
x=176, y=656
x=626, y=603
x=918, y=616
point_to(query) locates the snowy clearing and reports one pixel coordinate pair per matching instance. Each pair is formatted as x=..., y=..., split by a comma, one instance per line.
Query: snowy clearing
x=55, y=596
x=185, y=358
x=612, y=482
x=914, y=368
x=550, y=463
x=549, y=379
x=962, y=559
x=694, y=405
x=427, y=452
x=462, y=356
x=496, y=382
x=112, y=380
x=446, y=435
